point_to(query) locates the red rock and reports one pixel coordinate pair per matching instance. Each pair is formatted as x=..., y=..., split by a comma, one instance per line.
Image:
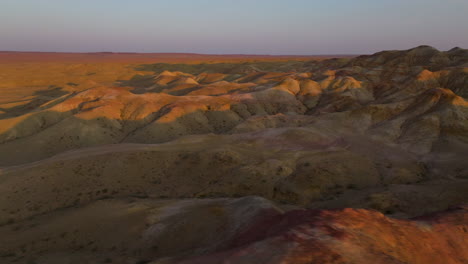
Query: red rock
x=349, y=236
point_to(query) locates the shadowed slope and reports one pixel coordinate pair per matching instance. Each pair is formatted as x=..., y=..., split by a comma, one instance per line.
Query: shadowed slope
x=243, y=230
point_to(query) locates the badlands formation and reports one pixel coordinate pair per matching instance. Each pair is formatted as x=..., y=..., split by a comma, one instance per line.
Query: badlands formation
x=247, y=160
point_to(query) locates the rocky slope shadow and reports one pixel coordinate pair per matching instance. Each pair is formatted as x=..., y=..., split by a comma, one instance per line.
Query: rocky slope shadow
x=243, y=230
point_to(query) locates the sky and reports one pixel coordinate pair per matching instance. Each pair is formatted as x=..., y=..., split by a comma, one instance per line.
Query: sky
x=287, y=27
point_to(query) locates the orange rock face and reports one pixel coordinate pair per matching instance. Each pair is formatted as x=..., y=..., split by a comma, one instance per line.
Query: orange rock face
x=349, y=236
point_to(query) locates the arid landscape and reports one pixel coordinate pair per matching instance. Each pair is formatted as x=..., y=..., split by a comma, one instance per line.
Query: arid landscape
x=186, y=158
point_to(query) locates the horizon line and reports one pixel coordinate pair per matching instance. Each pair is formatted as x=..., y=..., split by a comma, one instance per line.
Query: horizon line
x=185, y=53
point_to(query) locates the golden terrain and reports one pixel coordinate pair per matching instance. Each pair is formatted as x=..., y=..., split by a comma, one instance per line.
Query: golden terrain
x=107, y=158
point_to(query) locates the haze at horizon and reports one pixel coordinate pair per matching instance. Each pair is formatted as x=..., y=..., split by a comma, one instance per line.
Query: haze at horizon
x=295, y=27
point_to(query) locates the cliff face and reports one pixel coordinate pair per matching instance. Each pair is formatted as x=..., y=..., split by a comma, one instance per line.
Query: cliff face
x=387, y=132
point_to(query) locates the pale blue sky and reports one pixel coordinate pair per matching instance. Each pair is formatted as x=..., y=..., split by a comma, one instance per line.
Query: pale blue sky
x=232, y=26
